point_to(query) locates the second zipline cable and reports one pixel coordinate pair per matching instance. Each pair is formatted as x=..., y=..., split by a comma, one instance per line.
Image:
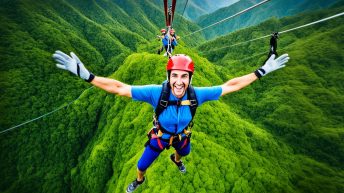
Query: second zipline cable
x=285, y=31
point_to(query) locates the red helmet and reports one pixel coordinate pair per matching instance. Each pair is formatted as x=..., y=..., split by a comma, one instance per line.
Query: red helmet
x=180, y=62
x=163, y=30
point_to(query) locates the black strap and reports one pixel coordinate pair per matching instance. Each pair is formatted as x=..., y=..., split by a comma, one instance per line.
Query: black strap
x=152, y=147
x=193, y=100
x=165, y=131
x=90, y=78
x=78, y=69
x=163, y=100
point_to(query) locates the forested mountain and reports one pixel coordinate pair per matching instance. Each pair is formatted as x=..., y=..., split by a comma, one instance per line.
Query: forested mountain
x=274, y=8
x=284, y=133
x=308, y=97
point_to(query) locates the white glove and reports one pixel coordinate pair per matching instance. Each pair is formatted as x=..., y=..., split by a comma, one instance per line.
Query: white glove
x=272, y=64
x=72, y=64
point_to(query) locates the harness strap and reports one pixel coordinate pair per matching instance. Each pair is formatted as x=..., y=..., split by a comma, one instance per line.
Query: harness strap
x=164, y=102
x=185, y=142
x=162, y=105
x=181, y=103
x=193, y=100
x=171, y=140
x=152, y=135
x=180, y=136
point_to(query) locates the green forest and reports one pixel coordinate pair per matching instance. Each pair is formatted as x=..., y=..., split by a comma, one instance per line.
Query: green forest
x=283, y=133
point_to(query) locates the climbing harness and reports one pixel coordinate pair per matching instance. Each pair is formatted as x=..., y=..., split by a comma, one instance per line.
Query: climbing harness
x=158, y=131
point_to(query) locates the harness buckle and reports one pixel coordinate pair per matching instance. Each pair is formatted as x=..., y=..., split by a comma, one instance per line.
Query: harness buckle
x=163, y=103
x=160, y=133
x=187, y=132
x=193, y=102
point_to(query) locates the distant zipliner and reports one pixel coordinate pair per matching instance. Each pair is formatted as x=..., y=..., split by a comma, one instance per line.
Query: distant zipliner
x=169, y=42
x=273, y=45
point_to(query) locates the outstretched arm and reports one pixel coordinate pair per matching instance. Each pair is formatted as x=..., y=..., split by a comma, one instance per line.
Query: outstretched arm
x=74, y=65
x=238, y=83
x=112, y=86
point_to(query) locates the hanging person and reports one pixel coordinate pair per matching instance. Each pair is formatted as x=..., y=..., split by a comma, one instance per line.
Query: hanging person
x=273, y=45
x=160, y=37
x=169, y=42
x=174, y=102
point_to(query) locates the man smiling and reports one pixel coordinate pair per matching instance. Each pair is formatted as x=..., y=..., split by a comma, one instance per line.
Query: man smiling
x=175, y=103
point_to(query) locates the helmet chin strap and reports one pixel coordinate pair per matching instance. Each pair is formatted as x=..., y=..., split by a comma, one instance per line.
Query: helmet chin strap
x=167, y=76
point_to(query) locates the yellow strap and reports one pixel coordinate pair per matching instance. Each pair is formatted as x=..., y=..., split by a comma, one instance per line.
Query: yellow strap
x=160, y=133
x=185, y=102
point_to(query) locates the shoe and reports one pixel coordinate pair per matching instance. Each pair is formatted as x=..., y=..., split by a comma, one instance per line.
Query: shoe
x=180, y=164
x=132, y=186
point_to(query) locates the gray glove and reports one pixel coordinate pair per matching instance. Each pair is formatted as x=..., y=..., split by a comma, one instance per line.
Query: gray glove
x=73, y=65
x=272, y=64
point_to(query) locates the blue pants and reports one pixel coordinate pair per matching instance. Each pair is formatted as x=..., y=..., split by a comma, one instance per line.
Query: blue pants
x=149, y=155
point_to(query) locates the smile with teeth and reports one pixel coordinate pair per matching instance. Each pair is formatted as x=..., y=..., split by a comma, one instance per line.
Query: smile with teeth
x=179, y=87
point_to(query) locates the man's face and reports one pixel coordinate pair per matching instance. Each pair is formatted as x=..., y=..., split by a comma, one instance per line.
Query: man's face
x=179, y=82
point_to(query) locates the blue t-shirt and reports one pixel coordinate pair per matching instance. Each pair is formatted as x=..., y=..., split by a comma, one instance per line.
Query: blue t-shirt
x=166, y=39
x=174, y=119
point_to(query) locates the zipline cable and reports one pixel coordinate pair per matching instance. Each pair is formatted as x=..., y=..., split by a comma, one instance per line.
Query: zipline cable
x=285, y=31
x=44, y=115
x=315, y=22
x=185, y=7
x=239, y=13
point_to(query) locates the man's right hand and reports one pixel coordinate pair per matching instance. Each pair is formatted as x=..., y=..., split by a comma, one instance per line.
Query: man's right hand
x=73, y=65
